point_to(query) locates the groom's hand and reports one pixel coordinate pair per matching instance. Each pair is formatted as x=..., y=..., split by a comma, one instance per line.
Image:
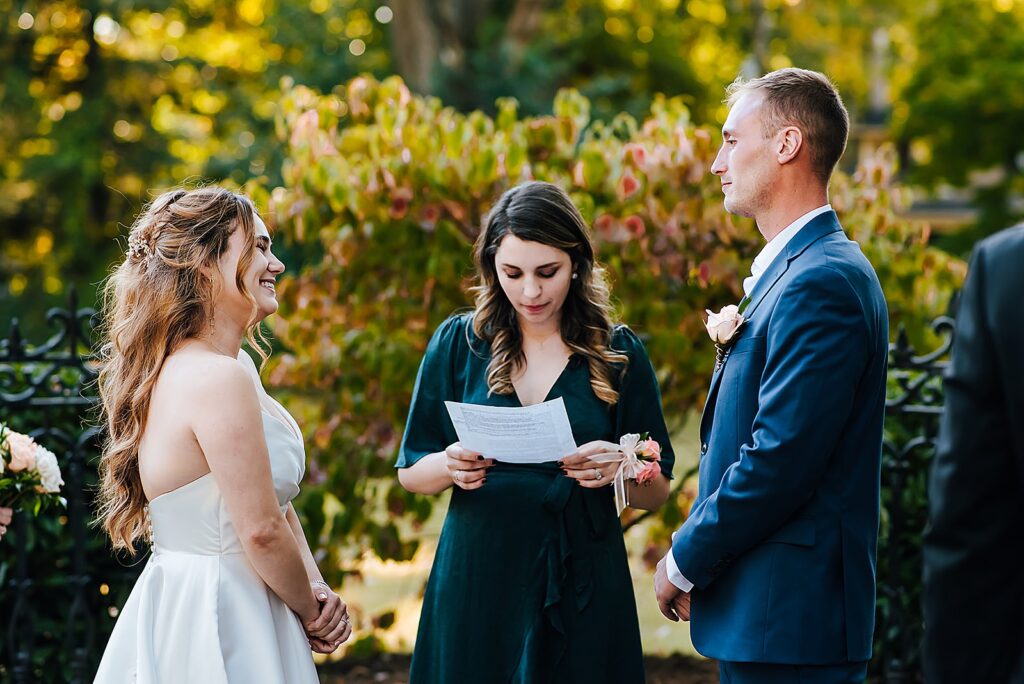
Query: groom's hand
x=682, y=606
x=672, y=601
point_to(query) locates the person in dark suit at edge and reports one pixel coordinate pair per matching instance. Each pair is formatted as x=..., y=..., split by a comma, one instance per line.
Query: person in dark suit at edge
x=973, y=570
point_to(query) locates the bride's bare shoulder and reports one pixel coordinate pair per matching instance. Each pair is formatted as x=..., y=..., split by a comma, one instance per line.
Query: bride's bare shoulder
x=200, y=372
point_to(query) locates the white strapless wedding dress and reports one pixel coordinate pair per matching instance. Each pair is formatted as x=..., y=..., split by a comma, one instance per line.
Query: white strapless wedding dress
x=199, y=612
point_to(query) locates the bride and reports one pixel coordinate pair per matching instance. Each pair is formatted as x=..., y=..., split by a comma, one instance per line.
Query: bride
x=201, y=462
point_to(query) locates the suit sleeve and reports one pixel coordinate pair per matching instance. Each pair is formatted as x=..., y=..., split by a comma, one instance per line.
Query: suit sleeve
x=818, y=347
x=974, y=510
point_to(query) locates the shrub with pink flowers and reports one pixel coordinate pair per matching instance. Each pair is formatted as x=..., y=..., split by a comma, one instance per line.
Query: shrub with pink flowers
x=384, y=192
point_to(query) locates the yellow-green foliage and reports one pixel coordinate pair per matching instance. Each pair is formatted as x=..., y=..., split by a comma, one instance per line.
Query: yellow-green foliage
x=385, y=191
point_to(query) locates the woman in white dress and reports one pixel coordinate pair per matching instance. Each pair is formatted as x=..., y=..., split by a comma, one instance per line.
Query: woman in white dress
x=201, y=462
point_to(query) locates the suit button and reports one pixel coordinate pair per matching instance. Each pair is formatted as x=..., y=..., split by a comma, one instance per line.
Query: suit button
x=703, y=448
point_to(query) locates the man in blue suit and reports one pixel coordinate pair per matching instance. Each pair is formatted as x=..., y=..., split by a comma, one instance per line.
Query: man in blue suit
x=776, y=561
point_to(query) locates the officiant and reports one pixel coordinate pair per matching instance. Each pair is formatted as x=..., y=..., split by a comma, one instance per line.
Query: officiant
x=530, y=581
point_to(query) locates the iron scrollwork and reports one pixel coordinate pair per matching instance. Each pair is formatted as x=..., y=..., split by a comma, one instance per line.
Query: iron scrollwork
x=914, y=404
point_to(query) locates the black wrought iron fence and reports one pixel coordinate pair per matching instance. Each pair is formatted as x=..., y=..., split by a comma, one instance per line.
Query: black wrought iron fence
x=913, y=406
x=59, y=584
x=60, y=587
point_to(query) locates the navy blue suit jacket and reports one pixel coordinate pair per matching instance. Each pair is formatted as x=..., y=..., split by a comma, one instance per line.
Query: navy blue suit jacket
x=780, y=543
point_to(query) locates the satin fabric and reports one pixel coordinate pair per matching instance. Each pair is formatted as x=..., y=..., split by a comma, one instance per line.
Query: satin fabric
x=199, y=612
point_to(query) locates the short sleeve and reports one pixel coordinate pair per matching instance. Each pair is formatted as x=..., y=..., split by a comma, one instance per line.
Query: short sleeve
x=428, y=428
x=639, y=407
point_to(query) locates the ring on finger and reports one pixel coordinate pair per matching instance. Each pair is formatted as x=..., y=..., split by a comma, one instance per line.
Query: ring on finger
x=597, y=474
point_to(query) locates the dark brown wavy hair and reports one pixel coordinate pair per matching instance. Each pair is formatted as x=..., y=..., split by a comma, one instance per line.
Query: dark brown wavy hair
x=157, y=298
x=544, y=213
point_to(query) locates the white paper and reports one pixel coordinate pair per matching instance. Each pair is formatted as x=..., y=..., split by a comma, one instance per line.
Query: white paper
x=528, y=434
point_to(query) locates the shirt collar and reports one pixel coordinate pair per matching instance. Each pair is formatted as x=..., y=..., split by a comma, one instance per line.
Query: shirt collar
x=775, y=246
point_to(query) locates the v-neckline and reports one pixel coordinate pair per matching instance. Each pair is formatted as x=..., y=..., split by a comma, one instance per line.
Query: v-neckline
x=547, y=396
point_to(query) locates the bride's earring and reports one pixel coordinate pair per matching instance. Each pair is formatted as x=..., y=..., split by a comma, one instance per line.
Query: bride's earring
x=575, y=275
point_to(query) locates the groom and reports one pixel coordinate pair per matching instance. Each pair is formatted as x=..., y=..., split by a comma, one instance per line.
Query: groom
x=776, y=562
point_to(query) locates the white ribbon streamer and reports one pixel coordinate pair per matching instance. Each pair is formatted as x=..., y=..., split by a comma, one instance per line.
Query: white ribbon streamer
x=629, y=467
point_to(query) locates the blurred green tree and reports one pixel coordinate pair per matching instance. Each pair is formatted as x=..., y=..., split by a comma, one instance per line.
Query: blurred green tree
x=107, y=102
x=961, y=113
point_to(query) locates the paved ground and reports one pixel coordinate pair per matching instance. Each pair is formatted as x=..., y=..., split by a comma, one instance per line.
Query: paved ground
x=394, y=669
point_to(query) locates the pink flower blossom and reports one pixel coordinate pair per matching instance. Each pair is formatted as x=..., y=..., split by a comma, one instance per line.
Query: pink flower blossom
x=629, y=185
x=604, y=223
x=577, y=175
x=399, y=207
x=430, y=214
x=305, y=127
x=649, y=472
x=400, y=199
x=636, y=226
x=23, y=451
x=638, y=154
x=722, y=326
x=651, y=449
x=358, y=94
x=684, y=147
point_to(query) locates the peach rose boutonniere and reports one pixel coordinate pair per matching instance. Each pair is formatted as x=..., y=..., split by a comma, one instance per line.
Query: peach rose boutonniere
x=724, y=328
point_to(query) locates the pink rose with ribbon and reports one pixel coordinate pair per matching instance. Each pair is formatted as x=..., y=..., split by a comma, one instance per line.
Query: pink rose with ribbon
x=639, y=461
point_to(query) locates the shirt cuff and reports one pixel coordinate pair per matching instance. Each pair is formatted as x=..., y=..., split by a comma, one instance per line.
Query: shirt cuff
x=674, y=576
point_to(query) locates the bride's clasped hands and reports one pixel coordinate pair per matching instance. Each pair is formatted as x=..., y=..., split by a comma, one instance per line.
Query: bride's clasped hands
x=333, y=626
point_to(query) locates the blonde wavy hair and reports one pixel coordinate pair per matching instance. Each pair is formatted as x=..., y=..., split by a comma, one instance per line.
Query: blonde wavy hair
x=161, y=295
x=544, y=213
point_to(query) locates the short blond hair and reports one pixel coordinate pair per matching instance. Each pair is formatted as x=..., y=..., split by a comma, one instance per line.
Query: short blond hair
x=805, y=99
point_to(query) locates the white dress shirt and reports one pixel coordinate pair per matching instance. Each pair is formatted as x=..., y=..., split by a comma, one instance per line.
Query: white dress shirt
x=761, y=263
x=775, y=246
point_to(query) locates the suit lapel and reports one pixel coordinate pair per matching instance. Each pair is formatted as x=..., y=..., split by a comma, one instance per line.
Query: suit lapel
x=763, y=286
x=817, y=228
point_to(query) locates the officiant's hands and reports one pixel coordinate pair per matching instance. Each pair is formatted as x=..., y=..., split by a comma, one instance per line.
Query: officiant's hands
x=333, y=626
x=673, y=602
x=468, y=469
x=593, y=464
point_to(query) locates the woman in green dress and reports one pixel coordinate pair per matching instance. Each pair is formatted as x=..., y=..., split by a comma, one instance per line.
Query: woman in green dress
x=530, y=582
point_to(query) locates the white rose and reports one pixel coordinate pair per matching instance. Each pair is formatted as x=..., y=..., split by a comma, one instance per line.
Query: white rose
x=724, y=324
x=49, y=471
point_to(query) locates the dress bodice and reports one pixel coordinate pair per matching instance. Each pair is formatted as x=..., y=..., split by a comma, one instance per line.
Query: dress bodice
x=200, y=612
x=193, y=517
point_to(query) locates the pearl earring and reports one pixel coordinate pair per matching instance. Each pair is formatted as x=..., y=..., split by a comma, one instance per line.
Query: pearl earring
x=575, y=275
